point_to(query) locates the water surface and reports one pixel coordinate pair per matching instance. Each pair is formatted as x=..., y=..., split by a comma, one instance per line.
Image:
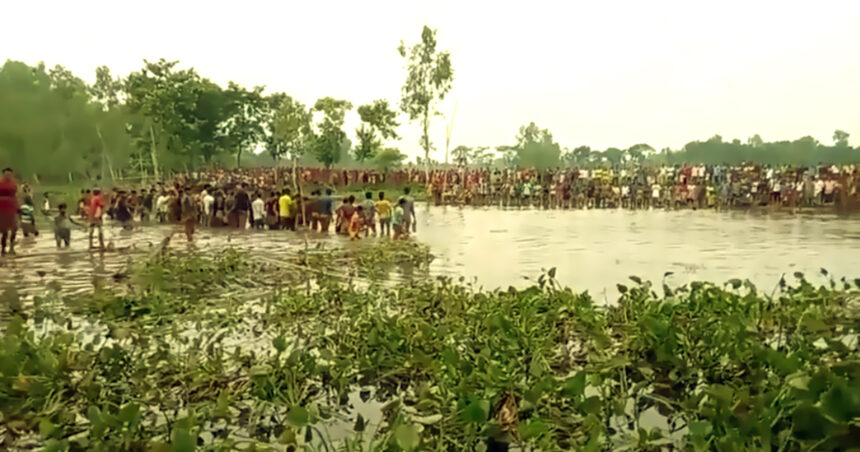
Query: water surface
x=493, y=247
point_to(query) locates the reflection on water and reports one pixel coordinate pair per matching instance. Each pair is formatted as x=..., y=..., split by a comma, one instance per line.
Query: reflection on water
x=595, y=249
x=592, y=249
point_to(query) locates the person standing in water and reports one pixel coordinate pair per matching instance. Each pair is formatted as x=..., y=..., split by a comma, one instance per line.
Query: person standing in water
x=408, y=205
x=398, y=222
x=369, y=209
x=326, y=210
x=189, y=213
x=242, y=206
x=123, y=212
x=95, y=211
x=258, y=210
x=344, y=215
x=383, y=208
x=356, y=223
x=208, y=208
x=27, y=213
x=63, y=227
x=8, y=211
x=284, y=207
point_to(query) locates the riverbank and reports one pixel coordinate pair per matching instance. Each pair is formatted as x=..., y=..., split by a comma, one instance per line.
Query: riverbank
x=224, y=351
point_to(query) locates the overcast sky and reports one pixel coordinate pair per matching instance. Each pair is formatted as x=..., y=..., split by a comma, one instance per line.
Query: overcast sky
x=601, y=73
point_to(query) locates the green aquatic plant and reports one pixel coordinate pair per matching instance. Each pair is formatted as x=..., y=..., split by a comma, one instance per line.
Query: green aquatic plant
x=181, y=360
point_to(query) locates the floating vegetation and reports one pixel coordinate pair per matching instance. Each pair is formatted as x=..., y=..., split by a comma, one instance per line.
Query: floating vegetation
x=205, y=353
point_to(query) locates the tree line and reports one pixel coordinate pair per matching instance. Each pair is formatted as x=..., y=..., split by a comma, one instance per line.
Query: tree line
x=162, y=117
x=535, y=148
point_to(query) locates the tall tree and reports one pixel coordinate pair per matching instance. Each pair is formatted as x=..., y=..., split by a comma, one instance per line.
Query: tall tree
x=330, y=138
x=840, y=138
x=388, y=158
x=210, y=134
x=167, y=98
x=465, y=155
x=580, y=154
x=49, y=125
x=378, y=122
x=106, y=90
x=243, y=125
x=481, y=156
x=535, y=148
x=68, y=85
x=429, y=77
x=289, y=127
x=755, y=141
x=613, y=155
x=638, y=152
x=461, y=155
x=368, y=143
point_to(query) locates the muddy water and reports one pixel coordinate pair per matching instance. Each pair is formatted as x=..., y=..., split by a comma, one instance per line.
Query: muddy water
x=595, y=249
x=592, y=249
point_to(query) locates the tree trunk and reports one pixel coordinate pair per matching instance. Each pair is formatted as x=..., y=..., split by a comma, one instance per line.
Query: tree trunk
x=238, y=159
x=297, y=186
x=426, y=145
x=153, y=153
x=103, y=157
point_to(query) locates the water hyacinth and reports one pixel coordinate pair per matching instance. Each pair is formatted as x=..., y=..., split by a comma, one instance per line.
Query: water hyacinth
x=227, y=351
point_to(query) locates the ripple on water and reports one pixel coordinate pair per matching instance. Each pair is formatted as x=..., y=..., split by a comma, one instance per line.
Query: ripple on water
x=593, y=249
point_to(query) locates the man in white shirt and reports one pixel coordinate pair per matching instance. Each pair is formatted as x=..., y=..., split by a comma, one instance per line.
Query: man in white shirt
x=161, y=207
x=819, y=187
x=655, y=195
x=208, y=204
x=829, y=188
x=258, y=211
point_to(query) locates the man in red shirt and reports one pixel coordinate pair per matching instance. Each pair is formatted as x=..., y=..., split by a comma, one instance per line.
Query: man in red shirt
x=95, y=211
x=8, y=210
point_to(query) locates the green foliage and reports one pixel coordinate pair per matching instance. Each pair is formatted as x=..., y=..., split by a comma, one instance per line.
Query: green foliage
x=106, y=90
x=429, y=77
x=289, y=127
x=244, y=121
x=465, y=155
x=803, y=151
x=377, y=121
x=840, y=138
x=186, y=364
x=368, y=144
x=49, y=126
x=330, y=139
x=169, y=100
x=578, y=156
x=535, y=148
x=389, y=158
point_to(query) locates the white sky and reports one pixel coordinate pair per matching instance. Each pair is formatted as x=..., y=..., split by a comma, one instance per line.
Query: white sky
x=602, y=73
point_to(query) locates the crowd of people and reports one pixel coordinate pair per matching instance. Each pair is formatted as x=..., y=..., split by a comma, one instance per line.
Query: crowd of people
x=215, y=199
x=668, y=186
x=690, y=186
x=272, y=198
x=194, y=202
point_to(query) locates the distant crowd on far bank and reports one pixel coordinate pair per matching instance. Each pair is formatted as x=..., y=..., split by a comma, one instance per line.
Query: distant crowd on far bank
x=279, y=198
x=631, y=186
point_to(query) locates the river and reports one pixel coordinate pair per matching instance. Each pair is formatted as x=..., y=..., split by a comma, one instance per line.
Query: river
x=492, y=247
